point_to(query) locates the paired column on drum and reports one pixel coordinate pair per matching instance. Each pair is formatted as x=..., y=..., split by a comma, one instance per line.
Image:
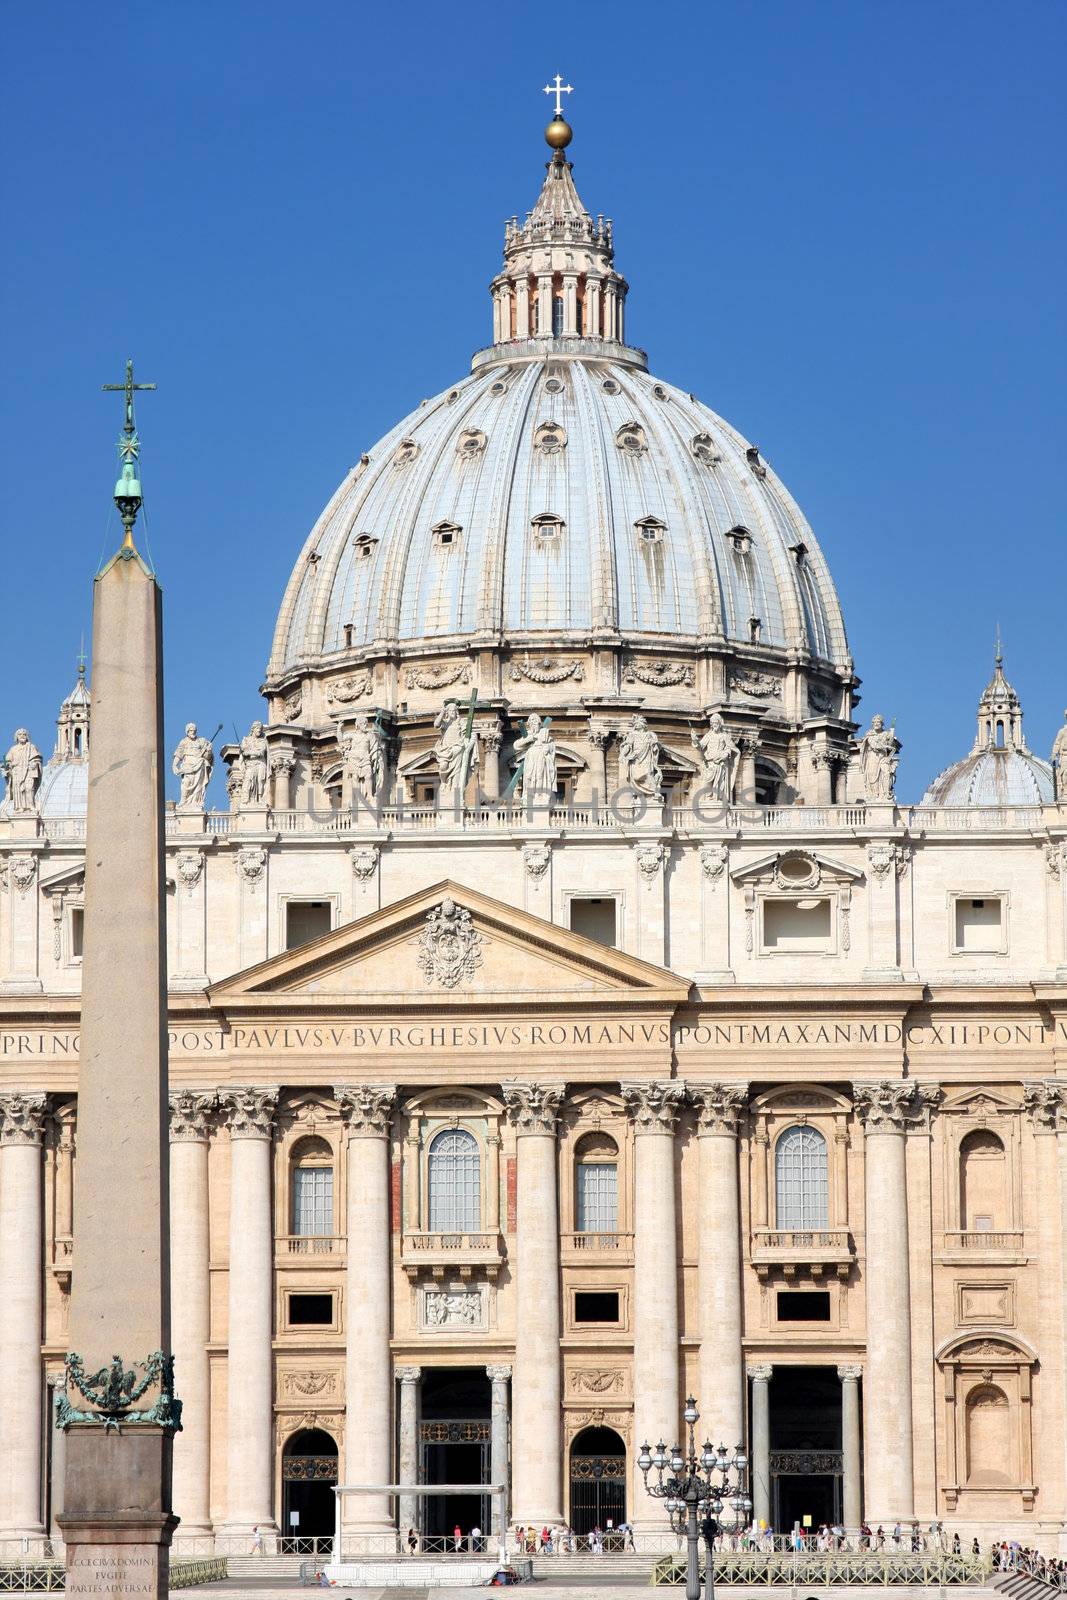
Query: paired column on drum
x=190, y=1130
x=498, y=1446
x=367, y=1111
x=653, y=1109
x=249, y=1114
x=850, y=1445
x=886, y=1110
x=537, y=1486
x=408, y=1464
x=22, y=1119
x=722, y=1375
x=761, y=1444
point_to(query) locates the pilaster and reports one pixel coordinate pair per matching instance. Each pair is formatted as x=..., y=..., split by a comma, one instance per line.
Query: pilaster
x=22, y=1122
x=191, y=1116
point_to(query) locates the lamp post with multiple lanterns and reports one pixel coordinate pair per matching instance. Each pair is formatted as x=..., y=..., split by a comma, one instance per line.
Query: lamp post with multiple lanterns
x=697, y=1488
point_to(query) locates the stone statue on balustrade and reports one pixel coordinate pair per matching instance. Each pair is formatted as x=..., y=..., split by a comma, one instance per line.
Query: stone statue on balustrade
x=364, y=757
x=253, y=768
x=1059, y=763
x=537, y=768
x=879, y=753
x=456, y=750
x=22, y=769
x=192, y=764
x=719, y=755
x=639, y=767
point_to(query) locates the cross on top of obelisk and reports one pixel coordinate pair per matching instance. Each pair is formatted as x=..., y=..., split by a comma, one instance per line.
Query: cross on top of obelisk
x=127, y=388
x=127, y=495
x=558, y=88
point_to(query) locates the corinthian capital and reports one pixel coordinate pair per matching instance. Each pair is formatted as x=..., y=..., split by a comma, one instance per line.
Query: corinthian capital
x=533, y=1107
x=22, y=1118
x=719, y=1105
x=1046, y=1103
x=891, y=1107
x=190, y=1116
x=366, y=1108
x=653, y=1107
x=249, y=1112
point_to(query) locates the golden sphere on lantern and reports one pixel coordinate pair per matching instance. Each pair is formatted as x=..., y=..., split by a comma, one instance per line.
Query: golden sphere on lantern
x=558, y=134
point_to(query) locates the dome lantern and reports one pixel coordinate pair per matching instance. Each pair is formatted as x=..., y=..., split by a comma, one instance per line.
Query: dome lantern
x=1001, y=769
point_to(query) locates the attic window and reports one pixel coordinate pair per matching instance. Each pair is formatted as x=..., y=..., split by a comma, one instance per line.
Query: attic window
x=363, y=544
x=313, y=558
x=755, y=628
x=547, y=526
x=350, y=629
x=741, y=539
x=799, y=552
x=650, y=530
x=554, y=385
x=446, y=534
x=659, y=391
x=752, y=456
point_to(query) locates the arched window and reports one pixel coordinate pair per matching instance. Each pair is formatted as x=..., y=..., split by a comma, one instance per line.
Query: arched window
x=989, y=1452
x=455, y=1182
x=801, y=1179
x=311, y=1190
x=596, y=1184
x=983, y=1190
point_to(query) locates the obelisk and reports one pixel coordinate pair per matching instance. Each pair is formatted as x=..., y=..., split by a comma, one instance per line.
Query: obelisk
x=119, y=1409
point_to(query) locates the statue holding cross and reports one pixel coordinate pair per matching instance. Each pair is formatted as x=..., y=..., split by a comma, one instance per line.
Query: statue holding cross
x=457, y=748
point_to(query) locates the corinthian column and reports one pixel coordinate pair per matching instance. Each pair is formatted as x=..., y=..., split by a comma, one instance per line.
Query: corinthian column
x=536, y=1390
x=367, y=1112
x=249, y=1113
x=722, y=1374
x=498, y=1447
x=408, y=1464
x=190, y=1287
x=850, y=1444
x=886, y=1110
x=21, y=1132
x=653, y=1109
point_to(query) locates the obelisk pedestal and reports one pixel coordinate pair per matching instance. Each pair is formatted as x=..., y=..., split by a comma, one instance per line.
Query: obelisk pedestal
x=119, y=1411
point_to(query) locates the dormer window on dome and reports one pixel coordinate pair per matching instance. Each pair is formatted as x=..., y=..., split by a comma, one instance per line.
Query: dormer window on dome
x=446, y=534
x=547, y=527
x=740, y=538
x=650, y=530
x=752, y=456
x=363, y=544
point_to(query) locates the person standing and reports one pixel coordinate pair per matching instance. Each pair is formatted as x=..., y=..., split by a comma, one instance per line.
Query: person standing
x=457, y=1537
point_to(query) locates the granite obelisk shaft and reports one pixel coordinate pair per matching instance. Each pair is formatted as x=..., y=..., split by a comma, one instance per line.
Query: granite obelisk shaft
x=116, y=1519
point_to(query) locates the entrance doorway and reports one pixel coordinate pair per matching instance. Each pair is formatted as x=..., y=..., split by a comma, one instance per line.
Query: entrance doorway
x=598, y=1480
x=454, y=1447
x=309, y=1472
x=806, y=1461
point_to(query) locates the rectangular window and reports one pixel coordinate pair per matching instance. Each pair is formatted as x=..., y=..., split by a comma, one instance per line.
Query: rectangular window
x=796, y=1305
x=979, y=925
x=77, y=932
x=797, y=925
x=310, y=1310
x=306, y=920
x=594, y=919
x=313, y=1200
x=596, y=1305
x=597, y=1197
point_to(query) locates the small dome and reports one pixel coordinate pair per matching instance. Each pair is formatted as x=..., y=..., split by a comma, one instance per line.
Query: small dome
x=64, y=790
x=1000, y=770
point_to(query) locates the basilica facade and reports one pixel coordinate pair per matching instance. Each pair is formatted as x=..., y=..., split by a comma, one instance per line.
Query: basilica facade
x=566, y=1014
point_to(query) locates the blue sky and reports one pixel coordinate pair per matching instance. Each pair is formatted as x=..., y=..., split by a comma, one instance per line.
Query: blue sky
x=843, y=226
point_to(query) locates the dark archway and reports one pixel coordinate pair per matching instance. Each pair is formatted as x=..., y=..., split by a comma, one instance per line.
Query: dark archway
x=454, y=1447
x=598, y=1480
x=309, y=1472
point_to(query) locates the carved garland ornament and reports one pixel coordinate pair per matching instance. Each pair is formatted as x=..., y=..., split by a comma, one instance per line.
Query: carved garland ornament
x=364, y=859
x=535, y=858
x=189, y=864
x=545, y=669
x=650, y=859
x=292, y=706
x=437, y=677
x=114, y=1390
x=308, y=1383
x=251, y=864
x=598, y=1380
x=345, y=690
x=23, y=871
x=713, y=859
x=659, y=674
x=756, y=685
x=450, y=947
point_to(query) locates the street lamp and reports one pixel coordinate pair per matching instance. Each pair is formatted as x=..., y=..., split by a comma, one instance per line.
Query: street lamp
x=697, y=1488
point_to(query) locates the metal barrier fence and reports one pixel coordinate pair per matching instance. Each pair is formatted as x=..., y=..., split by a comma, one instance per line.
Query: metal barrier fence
x=187, y=1574
x=861, y=1567
x=49, y=1577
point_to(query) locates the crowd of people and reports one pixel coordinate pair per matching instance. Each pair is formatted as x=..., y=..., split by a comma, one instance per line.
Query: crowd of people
x=1011, y=1556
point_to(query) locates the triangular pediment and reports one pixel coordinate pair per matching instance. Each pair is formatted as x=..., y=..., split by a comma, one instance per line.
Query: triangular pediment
x=445, y=945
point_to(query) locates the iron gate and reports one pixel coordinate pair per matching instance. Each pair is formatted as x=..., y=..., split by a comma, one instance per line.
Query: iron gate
x=598, y=1492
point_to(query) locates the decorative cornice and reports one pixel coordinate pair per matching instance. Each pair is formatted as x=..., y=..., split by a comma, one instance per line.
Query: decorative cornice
x=248, y=1111
x=890, y=1107
x=366, y=1108
x=653, y=1107
x=190, y=1116
x=532, y=1107
x=1046, y=1104
x=22, y=1118
x=719, y=1105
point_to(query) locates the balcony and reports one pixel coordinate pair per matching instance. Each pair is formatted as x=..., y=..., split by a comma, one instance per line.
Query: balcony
x=791, y=1252
x=615, y=1247
x=308, y=1249
x=451, y=1255
x=1003, y=1244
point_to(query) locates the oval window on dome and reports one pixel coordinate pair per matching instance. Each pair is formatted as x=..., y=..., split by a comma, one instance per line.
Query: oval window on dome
x=660, y=392
x=702, y=448
x=451, y=397
x=549, y=438
x=470, y=443
x=406, y=451
x=631, y=439
x=498, y=388
x=609, y=386
x=554, y=385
